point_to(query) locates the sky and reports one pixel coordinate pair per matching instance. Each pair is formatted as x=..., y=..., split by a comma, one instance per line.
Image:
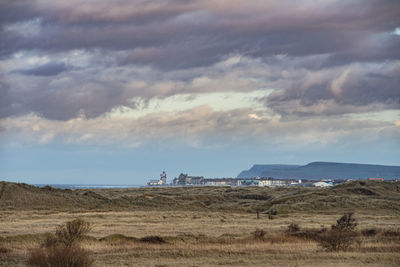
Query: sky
x=115, y=92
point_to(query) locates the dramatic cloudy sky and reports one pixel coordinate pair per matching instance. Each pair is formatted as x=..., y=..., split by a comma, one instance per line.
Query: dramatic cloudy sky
x=113, y=92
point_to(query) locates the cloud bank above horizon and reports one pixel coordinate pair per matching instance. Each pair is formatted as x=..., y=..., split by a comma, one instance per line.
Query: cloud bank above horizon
x=206, y=74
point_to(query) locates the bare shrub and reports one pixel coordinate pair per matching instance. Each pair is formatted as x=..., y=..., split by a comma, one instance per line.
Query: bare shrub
x=59, y=256
x=341, y=236
x=259, y=234
x=72, y=231
x=155, y=239
x=347, y=222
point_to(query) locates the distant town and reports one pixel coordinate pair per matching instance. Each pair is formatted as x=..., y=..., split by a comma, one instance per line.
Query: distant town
x=187, y=180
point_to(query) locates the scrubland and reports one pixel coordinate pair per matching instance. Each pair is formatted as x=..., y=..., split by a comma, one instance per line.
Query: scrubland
x=213, y=226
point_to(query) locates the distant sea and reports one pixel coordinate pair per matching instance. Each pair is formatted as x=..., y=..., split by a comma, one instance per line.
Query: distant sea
x=89, y=186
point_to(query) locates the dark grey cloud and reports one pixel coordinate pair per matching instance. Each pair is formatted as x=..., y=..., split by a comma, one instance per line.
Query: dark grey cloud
x=207, y=31
x=323, y=57
x=341, y=90
x=83, y=98
x=12, y=11
x=49, y=69
x=7, y=103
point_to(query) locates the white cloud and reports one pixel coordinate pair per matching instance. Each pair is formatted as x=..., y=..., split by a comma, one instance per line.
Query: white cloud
x=396, y=31
x=223, y=101
x=254, y=116
x=198, y=126
x=28, y=28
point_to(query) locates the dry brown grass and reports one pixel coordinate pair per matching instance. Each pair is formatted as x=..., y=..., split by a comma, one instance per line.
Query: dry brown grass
x=219, y=234
x=59, y=256
x=202, y=239
x=291, y=252
x=173, y=223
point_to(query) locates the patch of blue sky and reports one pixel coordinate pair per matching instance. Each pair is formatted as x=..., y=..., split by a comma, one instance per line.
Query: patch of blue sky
x=391, y=115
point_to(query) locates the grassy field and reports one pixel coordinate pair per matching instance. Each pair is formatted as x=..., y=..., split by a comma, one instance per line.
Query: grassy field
x=205, y=226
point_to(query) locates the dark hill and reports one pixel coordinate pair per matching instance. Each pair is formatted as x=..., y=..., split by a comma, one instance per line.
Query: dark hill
x=257, y=169
x=323, y=170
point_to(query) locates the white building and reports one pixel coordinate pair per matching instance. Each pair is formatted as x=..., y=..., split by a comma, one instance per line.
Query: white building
x=216, y=183
x=322, y=184
x=270, y=182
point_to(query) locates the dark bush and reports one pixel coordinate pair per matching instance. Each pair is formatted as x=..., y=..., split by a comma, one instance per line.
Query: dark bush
x=346, y=223
x=259, y=234
x=4, y=251
x=72, y=231
x=369, y=232
x=155, y=239
x=273, y=212
x=59, y=257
